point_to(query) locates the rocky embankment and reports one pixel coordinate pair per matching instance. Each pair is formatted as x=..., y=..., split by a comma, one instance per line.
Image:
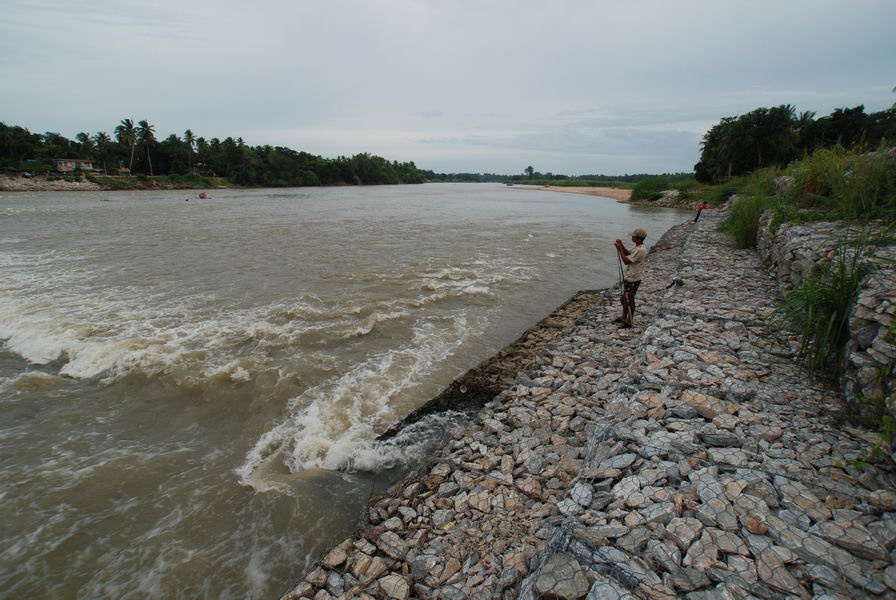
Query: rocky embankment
x=688, y=457
x=794, y=251
x=41, y=183
x=44, y=183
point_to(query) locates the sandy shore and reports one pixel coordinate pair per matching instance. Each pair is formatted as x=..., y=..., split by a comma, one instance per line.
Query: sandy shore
x=617, y=194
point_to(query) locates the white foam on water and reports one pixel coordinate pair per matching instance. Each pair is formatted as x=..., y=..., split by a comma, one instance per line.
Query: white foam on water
x=54, y=308
x=52, y=313
x=337, y=422
x=408, y=445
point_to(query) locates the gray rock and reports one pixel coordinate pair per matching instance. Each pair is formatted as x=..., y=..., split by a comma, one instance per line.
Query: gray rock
x=718, y=513
x=605, y=589
x=621, y=462
x=884, y=531
x=659, y=513
x=634, y=541
x=796, y=495
x=667, y=556
x=391, y=544
x=852, y=537
x=729, y=456
x=561, y=578
x=702, y=554
x=683, y=531
x=335, y=584
x=721, y=439
x=771, y=570
x=826, y=576
x=611, y=530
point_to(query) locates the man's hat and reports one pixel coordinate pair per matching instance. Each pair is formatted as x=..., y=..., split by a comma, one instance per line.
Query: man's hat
x=638, y=232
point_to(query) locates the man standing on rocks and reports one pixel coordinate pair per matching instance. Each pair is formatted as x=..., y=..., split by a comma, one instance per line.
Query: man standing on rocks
x=634, y=259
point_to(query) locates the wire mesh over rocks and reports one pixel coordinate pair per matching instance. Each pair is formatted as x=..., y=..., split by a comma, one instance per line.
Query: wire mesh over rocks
x=688, y=457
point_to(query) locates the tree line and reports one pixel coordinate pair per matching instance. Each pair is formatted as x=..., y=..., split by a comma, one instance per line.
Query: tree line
x=136, y=147
x=768, y=137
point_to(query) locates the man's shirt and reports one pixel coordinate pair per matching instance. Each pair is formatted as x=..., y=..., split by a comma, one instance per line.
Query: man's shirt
x=636, y=256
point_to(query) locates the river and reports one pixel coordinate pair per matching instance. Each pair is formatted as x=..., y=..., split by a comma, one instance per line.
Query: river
x=191, y=388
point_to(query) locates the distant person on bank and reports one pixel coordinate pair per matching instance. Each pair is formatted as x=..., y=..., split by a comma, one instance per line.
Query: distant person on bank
x=703, y=206
x=634, y=259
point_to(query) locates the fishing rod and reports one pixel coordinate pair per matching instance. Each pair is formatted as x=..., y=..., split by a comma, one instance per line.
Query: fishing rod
x=621, y=270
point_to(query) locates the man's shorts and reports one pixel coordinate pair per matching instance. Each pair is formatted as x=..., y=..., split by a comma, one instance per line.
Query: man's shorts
x=631, y=287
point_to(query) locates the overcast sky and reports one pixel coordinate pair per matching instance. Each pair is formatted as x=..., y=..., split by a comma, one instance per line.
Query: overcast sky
x=570, y=87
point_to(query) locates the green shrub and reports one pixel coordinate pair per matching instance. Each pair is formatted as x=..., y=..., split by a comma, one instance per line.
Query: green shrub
x=761, y=182
x=850, y=185
x=818, y=309
x=743, y=222
x=721, y=193
x=787, y=213
x=815, y=177
x=868, y=188
x=650, y=189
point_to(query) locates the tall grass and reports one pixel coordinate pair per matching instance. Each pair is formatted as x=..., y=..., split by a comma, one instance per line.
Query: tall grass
x=650, y=189
x=818, y=309
x=743, y=222
x=850, y=185
x=758, y=183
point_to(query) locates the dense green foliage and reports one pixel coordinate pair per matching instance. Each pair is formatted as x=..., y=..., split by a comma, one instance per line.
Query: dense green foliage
x=627, y=181
x=818, y=310
x=743, y=222
x=848, y=185
x=534, y=177
x=137, y=148
x=650, y=189
x=769, y=137
x=829, y=184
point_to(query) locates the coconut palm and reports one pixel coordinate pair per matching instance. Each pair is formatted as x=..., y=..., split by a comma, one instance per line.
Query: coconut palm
x=102, y=140
x=126, y=133
x=86, y=145
x=146, y=135
x=190, y=141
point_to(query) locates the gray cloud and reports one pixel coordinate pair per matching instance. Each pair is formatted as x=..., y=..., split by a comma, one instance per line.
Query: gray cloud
x=575, y=86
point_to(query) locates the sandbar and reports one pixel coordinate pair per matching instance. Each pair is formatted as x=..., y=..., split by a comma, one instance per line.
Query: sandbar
x=617, y=194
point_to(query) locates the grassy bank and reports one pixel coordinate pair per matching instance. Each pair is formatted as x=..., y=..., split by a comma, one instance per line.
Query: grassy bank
x=832, y=184
x=145, y=182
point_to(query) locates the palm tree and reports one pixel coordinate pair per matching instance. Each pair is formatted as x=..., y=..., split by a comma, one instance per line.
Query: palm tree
x=86, y=145
x=146, y=134
x=126, y=133
x=190, y=140
x=102, y=141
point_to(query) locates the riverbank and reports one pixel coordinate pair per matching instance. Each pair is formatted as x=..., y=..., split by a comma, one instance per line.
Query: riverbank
x=617, y=194
x=45, y=183
x=690, y=456
x=40, y=183
x=620, y=195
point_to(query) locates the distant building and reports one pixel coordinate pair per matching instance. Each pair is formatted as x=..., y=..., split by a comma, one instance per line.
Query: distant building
x=67, y=165
x=202, y=169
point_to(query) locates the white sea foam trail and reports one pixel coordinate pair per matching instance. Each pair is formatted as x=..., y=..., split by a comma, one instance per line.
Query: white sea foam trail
x=336, y=423
x=55, y=311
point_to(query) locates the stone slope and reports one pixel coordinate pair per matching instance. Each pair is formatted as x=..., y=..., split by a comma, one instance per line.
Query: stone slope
x=687, y=457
